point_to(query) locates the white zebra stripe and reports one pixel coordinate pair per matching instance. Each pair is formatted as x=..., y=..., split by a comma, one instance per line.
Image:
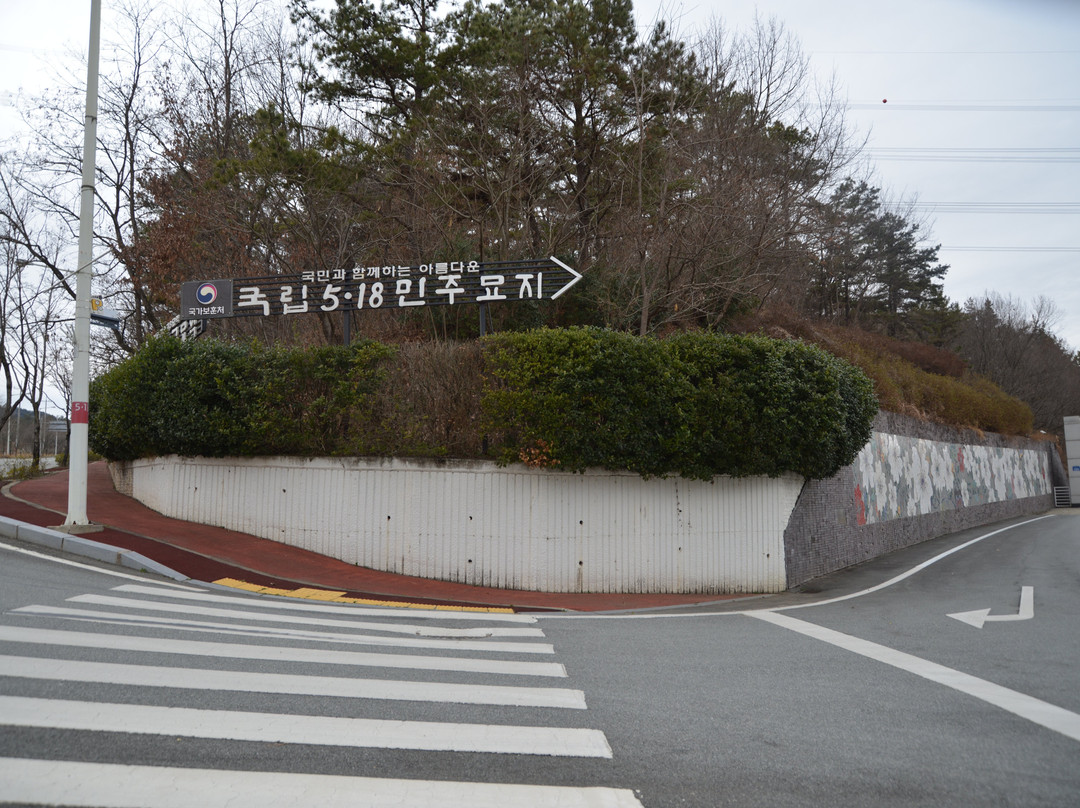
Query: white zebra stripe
x=93, y=784
x=302, y=729
x=243, y=614
x=492, y=646
x=118, y=642
x=344, y=609
x=112, y=673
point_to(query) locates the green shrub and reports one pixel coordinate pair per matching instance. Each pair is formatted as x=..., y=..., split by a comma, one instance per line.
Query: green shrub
x=582, y=397
x=911, y=378
x=25, y=470
x=126, y=402
x=202, y=396
x=216, y=399
x=314, y=401
x=766, y=407
x=698, y=404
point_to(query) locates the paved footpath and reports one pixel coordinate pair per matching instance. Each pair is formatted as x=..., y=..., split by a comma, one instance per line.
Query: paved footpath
x=214, y=554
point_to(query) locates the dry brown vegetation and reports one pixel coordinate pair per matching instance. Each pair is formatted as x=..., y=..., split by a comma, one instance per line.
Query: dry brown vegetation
x=910, y=378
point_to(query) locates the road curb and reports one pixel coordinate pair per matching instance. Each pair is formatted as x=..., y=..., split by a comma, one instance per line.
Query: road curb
x=86, y=548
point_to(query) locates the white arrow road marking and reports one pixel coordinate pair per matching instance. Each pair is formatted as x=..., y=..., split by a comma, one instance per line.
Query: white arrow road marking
x=574, y=272
x=979, y=616
x=70, y=783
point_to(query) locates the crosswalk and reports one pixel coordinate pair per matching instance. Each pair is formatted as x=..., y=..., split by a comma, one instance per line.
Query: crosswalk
x=174, y=667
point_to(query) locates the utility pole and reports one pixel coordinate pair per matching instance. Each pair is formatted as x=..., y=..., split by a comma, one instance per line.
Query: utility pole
x=77, y=520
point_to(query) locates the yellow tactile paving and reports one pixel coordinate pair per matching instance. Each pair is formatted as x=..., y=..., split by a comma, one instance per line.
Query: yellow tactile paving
x=317, y=594
x=235, y=584
x=331, y=596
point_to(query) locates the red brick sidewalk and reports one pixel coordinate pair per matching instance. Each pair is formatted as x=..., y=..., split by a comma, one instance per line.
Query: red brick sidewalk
x=206, y=553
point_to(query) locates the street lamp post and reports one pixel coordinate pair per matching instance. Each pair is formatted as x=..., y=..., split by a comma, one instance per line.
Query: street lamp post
x=80, y=373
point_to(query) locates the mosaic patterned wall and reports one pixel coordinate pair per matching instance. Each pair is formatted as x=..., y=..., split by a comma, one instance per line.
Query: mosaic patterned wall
x=898, y=476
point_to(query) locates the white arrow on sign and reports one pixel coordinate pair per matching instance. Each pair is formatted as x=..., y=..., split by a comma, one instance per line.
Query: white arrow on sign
x=980, y=616
x=574, y=272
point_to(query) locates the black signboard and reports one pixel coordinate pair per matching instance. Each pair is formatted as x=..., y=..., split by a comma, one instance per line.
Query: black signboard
x=441, y=283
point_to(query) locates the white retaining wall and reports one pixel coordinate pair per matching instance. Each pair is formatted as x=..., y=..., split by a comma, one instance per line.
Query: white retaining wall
x=477, y=523
x=521, y=528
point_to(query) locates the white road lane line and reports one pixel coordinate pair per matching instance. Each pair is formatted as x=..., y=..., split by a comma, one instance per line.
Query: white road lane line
x=871, y=590
x=69, y=563
x=158, y=645
x=244, y=614
x=661, y=615
x=344, y=609
x=487, y=646
x=94, y=784
x=111, y=673
x=916, y=569
x=1035, y=710
x=367, y=733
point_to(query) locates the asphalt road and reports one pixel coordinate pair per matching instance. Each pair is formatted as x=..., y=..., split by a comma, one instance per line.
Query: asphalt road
x=862, y=692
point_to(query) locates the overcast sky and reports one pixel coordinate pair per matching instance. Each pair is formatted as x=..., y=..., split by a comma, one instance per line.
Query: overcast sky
x=981, y=124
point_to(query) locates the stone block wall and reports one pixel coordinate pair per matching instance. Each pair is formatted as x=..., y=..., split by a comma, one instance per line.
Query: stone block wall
x=914, y=481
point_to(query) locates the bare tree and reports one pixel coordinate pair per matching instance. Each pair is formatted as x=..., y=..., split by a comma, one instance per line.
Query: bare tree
x=1013, y=344
x=40, y=304
x=726, y=184
x=40, y=186
x=12, y=333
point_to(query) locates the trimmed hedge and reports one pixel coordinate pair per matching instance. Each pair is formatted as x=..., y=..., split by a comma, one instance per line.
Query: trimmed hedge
x=584, y=397
x=696, y=405
x=217, y=399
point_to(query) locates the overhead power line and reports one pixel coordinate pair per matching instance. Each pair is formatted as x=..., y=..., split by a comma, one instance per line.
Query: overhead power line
x=967, y=107
x=968, y=248
x=949, y=52
x=1042, y=208
x=974, y=155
